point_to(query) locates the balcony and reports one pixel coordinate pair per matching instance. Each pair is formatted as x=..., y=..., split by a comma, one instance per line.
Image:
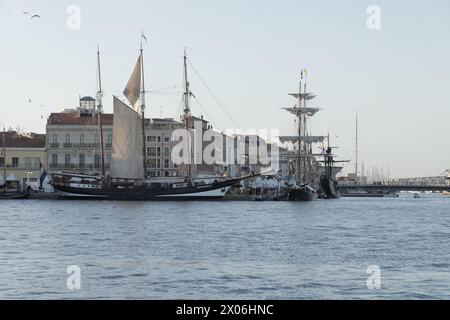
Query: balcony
x=80, y=145
x=75, y=167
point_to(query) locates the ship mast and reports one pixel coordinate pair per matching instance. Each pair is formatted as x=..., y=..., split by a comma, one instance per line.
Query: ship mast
x=4, y=160
x=299, y=155
x=100, y=111
x=187, y=111
x=356, y=150
x=142, y=112
x=306, y=145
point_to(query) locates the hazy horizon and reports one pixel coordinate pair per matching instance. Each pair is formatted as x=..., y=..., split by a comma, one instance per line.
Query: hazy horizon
x=250, y=55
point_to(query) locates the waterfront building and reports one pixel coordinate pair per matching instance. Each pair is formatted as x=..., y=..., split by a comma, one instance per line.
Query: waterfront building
x=74, y=145
x=25, y=152
x=74, y=142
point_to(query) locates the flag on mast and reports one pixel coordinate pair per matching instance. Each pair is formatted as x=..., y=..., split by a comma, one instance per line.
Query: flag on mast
x=143, y=36
x=42, y=175
x=133, y=89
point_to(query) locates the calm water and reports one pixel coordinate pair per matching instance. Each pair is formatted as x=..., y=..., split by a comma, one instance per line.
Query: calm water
x=226, y=250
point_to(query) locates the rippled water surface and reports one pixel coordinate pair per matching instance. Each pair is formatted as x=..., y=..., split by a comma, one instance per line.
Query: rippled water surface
x=226, y=250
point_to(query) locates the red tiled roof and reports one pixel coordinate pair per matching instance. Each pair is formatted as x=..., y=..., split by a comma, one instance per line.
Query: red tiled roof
x=15, y=140
x=74, y=118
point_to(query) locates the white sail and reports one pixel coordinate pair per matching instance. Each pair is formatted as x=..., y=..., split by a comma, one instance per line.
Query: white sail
x=127, y=155
x=133, y=89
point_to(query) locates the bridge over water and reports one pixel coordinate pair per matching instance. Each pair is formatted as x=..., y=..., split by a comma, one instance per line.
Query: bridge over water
x=389, y=188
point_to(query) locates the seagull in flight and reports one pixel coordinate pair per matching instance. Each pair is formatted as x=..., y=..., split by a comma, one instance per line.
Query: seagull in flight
x=32, y=16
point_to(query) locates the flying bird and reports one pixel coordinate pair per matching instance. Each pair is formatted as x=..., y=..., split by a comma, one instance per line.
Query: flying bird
x=32, y=16
x=29, y=100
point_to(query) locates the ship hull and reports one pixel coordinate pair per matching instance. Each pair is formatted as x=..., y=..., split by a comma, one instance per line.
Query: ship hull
x=142, y=195
x=94, y=188
x=330, y=189
x=301, y=194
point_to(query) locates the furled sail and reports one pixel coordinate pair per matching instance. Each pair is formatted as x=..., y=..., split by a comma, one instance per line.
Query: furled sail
x=133, y=89
x=127, y=156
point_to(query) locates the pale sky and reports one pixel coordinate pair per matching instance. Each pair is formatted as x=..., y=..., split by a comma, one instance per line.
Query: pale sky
x=249, y=53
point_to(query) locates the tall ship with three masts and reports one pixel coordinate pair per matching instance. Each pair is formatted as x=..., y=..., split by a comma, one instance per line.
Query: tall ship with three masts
x=127, y=179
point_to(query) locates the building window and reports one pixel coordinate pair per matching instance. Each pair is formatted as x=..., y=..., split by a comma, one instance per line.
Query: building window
x=109, y=141
x=166, y=139
x=67, y=138
x=166, y=173
x=54, y=138
x=96, y=138
x=32, y=163
x=67, y=160
x=2, y=162
x=155, y=173
x=153, y=139
x=166, y=163
x=108, y=158
x=82, y=160
x=166, y=151
x=151, y=151
x=54, y=162
x=154, y=163
x=82, y=139
x=15, y=162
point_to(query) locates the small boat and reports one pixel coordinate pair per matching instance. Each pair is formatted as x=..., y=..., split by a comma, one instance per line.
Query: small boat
x=391, y=195
x=40, y=195
x=416, y=196
x=14, y=195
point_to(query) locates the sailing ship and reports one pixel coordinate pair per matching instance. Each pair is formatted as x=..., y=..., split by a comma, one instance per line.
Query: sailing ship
x=329, y=188
x=127, y=179
x=303, y=185
x=9, y=186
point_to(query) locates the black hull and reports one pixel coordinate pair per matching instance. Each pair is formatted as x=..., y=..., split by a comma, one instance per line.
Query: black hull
x=329, y=189
x=215, y=191
x=301, y=195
